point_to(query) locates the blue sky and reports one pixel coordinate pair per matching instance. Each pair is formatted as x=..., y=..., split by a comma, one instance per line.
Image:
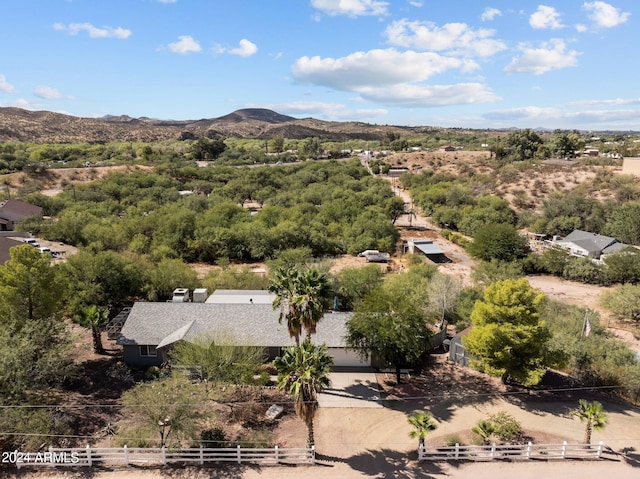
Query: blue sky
x=455, y=63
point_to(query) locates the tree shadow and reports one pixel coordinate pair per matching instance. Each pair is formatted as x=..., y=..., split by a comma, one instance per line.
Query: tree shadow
x=387, y=463
x=441, y=386
x=558, y=395
x=630, y=456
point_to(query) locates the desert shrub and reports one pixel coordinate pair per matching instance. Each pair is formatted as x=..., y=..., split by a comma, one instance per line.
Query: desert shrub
x=499, y=427
x=453, y=439
x=214, y=437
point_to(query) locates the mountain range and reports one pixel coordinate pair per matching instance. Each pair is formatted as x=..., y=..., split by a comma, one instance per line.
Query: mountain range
x=48, y=127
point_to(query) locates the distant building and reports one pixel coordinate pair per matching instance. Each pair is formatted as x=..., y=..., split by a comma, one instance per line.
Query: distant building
x=13, y=211
x=589, y=245
x=447, y=148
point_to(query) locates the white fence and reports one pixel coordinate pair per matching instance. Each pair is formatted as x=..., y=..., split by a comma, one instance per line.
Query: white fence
x=92, y=456
x=519, y=451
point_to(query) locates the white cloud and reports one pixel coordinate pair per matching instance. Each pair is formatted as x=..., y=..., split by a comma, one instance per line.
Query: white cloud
x=47, y=93
x=455, y=38
x=323, y=110
x=551, y=55
x=408, y=95
x=605, y=15
x=351, y=8
x=533, y=116
x=185, y=44
x=245, y=48
x=489, y=14
x=375, y=67
x=545, y=17
x=5, y=86
x=416, y=4
x=614, y=101
x=94, y=32
x=166, y=1
x=580, y=28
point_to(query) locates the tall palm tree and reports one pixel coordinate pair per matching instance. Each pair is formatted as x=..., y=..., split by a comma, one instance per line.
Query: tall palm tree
x=593, y=414
x=423, y=424
x=303, y=372
x=315, y=292
x=284, y=285
x=302, y=297
x=95, y=318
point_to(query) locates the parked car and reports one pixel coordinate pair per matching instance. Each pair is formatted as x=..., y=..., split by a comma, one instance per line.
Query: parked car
x=32, y=242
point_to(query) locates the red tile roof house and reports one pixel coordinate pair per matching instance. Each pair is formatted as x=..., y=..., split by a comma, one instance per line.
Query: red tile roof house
x=13, y=211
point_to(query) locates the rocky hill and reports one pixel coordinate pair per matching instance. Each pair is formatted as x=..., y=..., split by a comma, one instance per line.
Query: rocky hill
x=47, y=127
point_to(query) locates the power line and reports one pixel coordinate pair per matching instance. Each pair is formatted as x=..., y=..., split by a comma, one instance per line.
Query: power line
x=231, y=404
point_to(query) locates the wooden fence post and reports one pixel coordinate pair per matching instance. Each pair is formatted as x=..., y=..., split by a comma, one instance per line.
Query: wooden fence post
x=89, y=461
x=493, y=449
x=126, y=455
x=313, y=454
x=239, y=455
x=164, y=456
x=201, y=455
x=276, y=453
x=529, y=450
x=600, y=446
x=457, y=451
x=564, y=449
x=51, y=456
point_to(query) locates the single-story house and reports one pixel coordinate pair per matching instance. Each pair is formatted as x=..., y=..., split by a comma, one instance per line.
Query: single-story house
x=589, y=245
x=152, y=328
x=447, y=148
x=13, y=211
x=5, y=245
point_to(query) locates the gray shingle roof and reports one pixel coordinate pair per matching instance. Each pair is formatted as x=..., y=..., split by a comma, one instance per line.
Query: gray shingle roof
x=591, y=242
x=252, y=324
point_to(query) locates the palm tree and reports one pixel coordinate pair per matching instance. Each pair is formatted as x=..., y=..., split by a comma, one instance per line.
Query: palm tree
x=303, y=372
x=593, y=414
x=485, y=429
x=95, y=318
x=315, y=292
x=423, y=424
x=302, y=297
x=284, y=285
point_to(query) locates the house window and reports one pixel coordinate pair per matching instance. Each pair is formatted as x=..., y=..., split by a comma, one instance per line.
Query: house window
x=148, y=351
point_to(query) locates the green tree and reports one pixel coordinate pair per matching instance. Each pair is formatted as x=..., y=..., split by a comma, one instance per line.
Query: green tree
x=623, y=267
x=508, y=338
x=565, y=145
x=443, y=293
x=302, y=297
x=391, y=323
x=522, y=145
x=498, y=241
x=303, y=372
x=394, y=207
x=422, y=423
x=206, y=149
x=28, y=286
x=277, y=144
x=353, y=284
x=623, y=301
x=623, y=223
x=169, y=274
x=311, y=148
x=94, y=318
x=218, y=359
x=169, y=408
x=593, y=415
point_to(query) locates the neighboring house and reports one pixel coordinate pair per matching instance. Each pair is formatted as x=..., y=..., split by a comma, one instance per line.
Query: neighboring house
x=5, y=245
x=589, y=245
x=427, y=248
x=12, y=211
x=397, y=171
x=151, y=329
x=447, y=148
